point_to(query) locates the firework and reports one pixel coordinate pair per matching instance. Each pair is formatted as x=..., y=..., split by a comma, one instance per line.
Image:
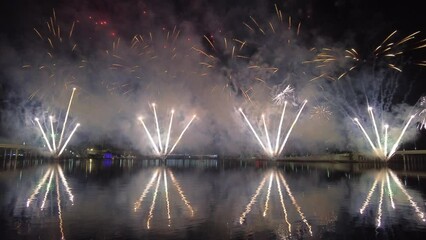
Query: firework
x=336, y=63
x=279, y=179
x=60, y=63
x=279, y=146
x=383, y=177
x=158, y=147
x=158, y=177
x=321, y=112
x=273, y=53
x=223, y=55
x=133, y=61
x=282, y=96
x=421, y=103
x=380, y=147
x=56, y=148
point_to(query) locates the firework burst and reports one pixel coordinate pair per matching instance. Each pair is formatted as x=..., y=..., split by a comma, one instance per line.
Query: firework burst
x=160, y=147
x=224, y=55
x=421, y=103
x=381, y=145
x=269, y=150
x=151, y=55
x=57, y=146
x=281, y=97
x=321, y=112
x=61, y=62
x=335, y=64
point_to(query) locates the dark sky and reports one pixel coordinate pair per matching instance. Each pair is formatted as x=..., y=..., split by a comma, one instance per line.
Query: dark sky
x=333, y=18
x=360, y=24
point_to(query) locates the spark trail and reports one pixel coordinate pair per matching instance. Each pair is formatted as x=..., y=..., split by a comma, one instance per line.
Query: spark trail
x=58, y=147
x=279, y=146
x=382, y=139
x=158, y=147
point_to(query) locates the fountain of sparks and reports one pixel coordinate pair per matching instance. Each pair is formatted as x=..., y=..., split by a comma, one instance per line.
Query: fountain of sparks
x=380, y=147
x=268, y=148
x=162, y=148
x=47, y=181
x=279, y=181
x=384, y=177
x=422, y=114
x=57, y=147
x=156, y=178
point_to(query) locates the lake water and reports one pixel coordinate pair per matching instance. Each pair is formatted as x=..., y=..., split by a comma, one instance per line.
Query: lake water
x=209, y=199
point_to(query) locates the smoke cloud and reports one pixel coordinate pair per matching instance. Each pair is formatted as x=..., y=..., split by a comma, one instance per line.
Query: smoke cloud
x=203, y=58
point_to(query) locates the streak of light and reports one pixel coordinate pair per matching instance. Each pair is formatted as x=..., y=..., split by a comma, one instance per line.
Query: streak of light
x=296, y=205
x=183, y=131
x=66, y=117
x=53, y=133
x=277, y=142
x=65, y=183
x=267, y=135
x=282, y=203
x=367, y=200
x=420, y=214
x=400, y=137
x=252, y=129
x=151, y=209
x=138, y=204
x=44, y=135
x=158, y=128
x=181, y=193
x=149, y=136
x=167, y=197
x=58, y=199
x=271, y=178
x=168, y=132
x=47, y=190
x=390, y=190
x=292, y=126
x=366, y=136
x=68, y=139
x=370, y=110
x=379, y=209
x=252, y=200
x=39, y=185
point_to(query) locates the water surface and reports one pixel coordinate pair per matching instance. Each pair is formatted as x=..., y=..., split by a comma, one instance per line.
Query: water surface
x=209, y=199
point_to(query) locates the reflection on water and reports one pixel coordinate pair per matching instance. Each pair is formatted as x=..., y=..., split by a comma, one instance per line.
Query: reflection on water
x=209, y=199
x=157, y=176
x=383, y=176
x=278, y=178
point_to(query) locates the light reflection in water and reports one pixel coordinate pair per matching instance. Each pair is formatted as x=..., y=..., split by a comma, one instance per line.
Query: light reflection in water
x=151, y=209
x=157, y=176
x=289, y=193
x=57, y=173
x=383, y=176
x=420, y=214
x=37, y=189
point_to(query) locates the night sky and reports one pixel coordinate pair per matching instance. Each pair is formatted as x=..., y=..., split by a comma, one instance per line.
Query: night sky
x=187, y=65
